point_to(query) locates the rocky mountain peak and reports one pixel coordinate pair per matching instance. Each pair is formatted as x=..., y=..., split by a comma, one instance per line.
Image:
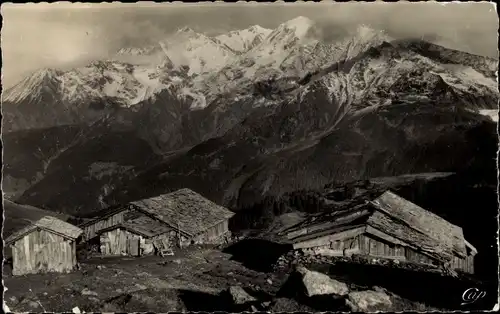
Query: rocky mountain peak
x=42, y=80
x=186, y=29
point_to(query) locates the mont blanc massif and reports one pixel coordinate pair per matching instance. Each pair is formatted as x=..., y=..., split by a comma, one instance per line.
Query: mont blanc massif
x=246, y=115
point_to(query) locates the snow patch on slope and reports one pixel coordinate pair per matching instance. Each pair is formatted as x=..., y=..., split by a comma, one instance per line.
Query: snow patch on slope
x=198, y=100
x=150, y=84
x=468, y=76
x=40, y=82
x=197, y=51
x=243, y=40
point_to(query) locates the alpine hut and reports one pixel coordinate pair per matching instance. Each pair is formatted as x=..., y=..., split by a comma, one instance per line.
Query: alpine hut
x=159, y=224
x=388, y=227
x=39, y=242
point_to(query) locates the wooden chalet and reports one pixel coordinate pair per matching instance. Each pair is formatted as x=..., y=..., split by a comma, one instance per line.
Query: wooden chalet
x=387, y=227
x=159, y=223
x=38, y=243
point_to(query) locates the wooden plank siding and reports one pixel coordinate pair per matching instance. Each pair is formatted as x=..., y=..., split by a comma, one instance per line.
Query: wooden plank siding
x=90, y=231
x=213, y=234
x=464, y=264
x=41, y=251
x=120, y=242
x=369, y=245
x=342, y=247
x=416, y=257
x=326, y=239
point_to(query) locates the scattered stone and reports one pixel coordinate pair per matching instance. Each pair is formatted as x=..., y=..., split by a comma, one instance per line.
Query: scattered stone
x=100, y=266
x=239, y=295
x=269, y=281
x=289, y=305
x=320, y=284
x=94, y=299
x=230, y=273
x=32, y=304
x=76, y=310
x=45, y=293
x=86, y=291
x=153, y=299
x=253, y=308
x=266, y=304
x=13, y=299
x=368, y=301
x=119, y=290
x=140, y=287
x=176, y=261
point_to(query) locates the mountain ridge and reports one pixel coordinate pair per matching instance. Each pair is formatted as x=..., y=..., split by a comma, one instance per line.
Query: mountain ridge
x=265, y=118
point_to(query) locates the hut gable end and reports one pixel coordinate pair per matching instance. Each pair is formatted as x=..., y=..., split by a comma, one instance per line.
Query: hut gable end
x=408, y=222
x=50, y=224
x=109, y=218
x=42, y=250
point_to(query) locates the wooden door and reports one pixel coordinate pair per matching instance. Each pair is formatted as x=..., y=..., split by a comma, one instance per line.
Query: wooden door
x=133, y=246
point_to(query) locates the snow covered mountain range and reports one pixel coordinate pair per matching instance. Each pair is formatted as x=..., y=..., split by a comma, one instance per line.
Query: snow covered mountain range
x=253, y=110
x=198, y=69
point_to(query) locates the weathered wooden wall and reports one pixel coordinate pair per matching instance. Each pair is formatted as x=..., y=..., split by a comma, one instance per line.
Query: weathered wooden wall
x=416, y=257
x=343, y=247
x=41, y=251
x=368, y=245
x=328, y=238
x=464, y=264
x=90, y=231
x=120, y=242
x=212, y=235
x=375, y=247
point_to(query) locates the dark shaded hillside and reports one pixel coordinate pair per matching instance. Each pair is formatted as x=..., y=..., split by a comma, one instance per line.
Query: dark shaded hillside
x=393, y=140
x=270, y=154
x=27, y=154
x=82, y=176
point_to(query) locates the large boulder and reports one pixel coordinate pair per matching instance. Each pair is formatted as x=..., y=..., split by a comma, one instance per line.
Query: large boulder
x=316, y=283
x=239, y=296
x=368, y=301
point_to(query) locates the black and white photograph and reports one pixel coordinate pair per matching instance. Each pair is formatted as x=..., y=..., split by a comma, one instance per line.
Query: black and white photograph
x=250, y=157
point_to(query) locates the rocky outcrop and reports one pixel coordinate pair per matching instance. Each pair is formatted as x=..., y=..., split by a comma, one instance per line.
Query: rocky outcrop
x=368, y=301
x=316, y=283
x=239, y=296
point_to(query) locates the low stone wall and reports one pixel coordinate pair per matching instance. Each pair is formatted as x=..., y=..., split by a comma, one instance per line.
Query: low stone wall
x=298, y=257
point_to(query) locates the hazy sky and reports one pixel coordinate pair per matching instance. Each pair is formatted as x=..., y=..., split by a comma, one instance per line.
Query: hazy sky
x=60, y=34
